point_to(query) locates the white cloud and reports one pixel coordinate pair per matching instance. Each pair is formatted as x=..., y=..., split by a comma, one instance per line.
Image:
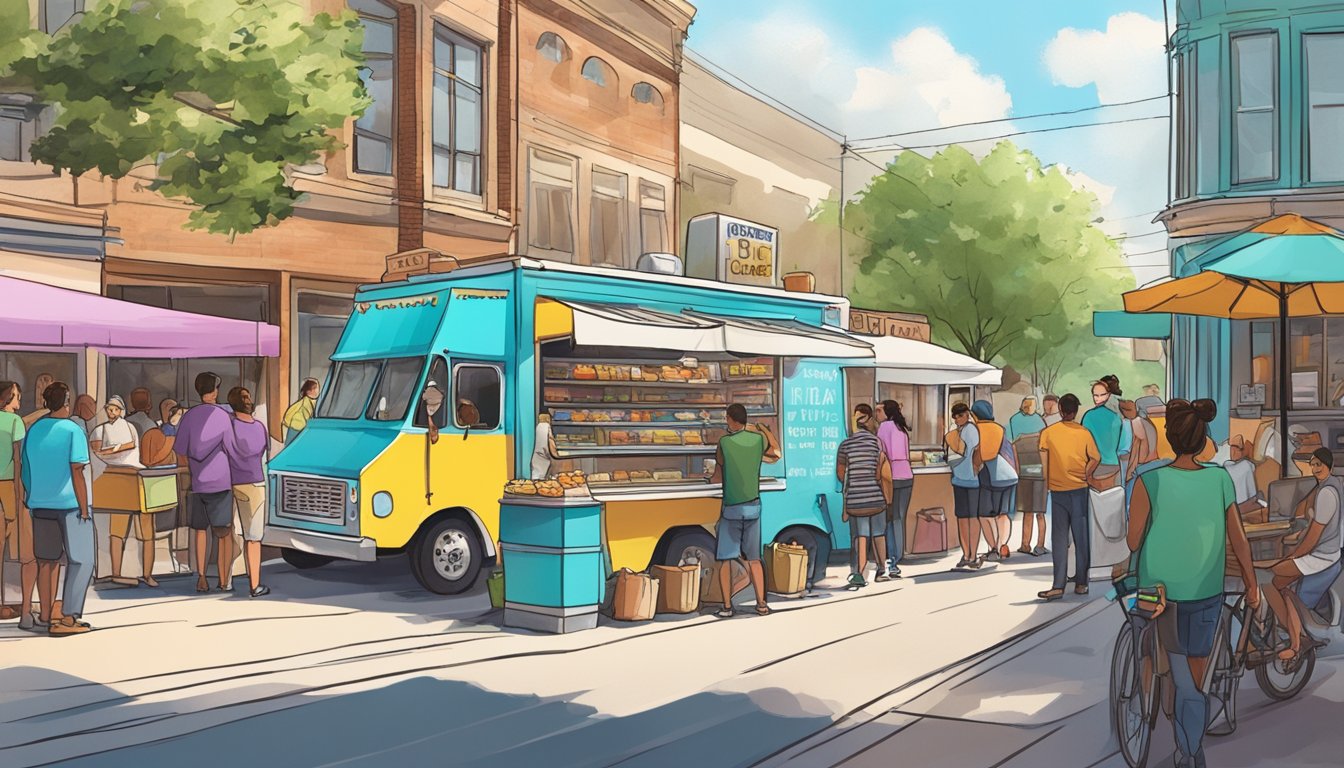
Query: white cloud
x=1081, y=181
x=1125, y=62
x=929, y=82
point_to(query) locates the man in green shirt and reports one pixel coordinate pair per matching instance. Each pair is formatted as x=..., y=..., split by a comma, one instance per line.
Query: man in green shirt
x=738, y=467
x=298, y=414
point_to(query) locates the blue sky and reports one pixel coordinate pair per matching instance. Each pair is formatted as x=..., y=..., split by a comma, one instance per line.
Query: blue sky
x=901, y=65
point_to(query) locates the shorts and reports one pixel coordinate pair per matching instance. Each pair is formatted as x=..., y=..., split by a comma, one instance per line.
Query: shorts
x=966, y=502
x=868, y=527
x=1188, y=627
x=119, y=525
x=251, y=500
x=211, y=510
x=738, y=532
x=49, y=534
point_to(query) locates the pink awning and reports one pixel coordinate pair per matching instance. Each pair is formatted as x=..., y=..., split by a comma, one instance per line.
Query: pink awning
x=38, y=315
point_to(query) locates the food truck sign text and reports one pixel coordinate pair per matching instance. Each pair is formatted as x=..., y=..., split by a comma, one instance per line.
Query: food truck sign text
x=409, y=302
x=749, y=253
x=898, y=324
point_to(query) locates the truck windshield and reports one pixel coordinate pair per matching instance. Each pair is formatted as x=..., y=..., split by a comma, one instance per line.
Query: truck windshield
x=392, y=397
x=349, y=391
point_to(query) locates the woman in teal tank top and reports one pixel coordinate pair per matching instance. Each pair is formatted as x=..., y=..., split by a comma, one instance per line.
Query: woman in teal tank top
x=1182, y=520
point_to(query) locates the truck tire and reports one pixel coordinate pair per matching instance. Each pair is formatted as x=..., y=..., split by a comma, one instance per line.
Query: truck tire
x=447, y=557
x=304, y=560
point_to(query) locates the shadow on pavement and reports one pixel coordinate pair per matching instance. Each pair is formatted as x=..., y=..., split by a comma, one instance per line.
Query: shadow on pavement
x=432, y=722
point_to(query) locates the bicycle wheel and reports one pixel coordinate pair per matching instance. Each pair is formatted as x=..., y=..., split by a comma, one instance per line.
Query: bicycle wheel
x=1224, y=682
x=1130, y=714
x=1282, y=680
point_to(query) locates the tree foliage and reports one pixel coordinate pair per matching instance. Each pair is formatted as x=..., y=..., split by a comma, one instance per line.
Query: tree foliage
x=217, y=96
x=1000, y=252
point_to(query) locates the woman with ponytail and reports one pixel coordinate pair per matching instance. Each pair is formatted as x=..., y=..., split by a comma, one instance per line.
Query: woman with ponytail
x=894, y=433
x=1182, y=520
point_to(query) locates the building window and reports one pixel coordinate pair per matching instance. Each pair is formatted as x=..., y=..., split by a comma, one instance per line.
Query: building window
x=373, y=129
x=1207, y=110
x=19, y=128
x=26, y=368
x=644, y=93
x=1255, y=105
x=57, y=13
x=1325, y=106
x=457, y=112
x=321, y=319
x=1182, y=131
x=552, y=47
x=599, y=71
x=652, y=217
x=607, y=218
x=551, y=180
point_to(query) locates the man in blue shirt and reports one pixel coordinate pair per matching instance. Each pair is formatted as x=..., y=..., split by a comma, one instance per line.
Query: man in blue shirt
x=55, y=454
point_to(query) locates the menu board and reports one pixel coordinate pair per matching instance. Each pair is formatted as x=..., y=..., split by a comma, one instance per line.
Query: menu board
x=814, y=420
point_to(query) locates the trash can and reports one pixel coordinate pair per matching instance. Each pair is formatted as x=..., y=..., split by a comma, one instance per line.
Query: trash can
x=554, y=562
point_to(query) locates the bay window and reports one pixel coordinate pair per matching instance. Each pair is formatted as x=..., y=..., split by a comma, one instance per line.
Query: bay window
x=1324, y=66
x=1255, y=108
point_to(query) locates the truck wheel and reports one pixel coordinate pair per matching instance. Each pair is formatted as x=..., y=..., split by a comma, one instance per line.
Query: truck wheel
x=818, y=548
x=697, y=544
x=304, y=560
x=447, y=557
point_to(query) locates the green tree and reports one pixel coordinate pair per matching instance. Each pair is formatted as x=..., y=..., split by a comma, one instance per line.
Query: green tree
x=1000, y=252
x=218, y=96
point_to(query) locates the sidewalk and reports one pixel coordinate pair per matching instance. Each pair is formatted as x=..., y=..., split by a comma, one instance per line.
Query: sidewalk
x=172, y=676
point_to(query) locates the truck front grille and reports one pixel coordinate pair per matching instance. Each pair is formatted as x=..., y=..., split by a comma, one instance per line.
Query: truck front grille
x=308, y=498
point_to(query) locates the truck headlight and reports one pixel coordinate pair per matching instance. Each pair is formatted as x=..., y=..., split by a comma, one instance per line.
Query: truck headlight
x=382, y=504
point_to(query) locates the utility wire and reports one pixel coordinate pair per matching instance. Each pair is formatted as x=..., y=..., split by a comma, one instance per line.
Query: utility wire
x=973, y=140
x=1015, y=119
x=723, y=73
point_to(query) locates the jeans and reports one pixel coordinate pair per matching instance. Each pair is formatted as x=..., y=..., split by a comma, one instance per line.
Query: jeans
x=902, y=490
x=1068, y=513
x=1191, y=708
x=77, y=540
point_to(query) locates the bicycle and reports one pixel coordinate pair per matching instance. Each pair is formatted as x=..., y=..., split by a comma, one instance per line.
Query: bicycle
x=1139, y=673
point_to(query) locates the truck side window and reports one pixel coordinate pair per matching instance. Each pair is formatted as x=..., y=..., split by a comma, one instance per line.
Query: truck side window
x=433, y=401
x=476, y=395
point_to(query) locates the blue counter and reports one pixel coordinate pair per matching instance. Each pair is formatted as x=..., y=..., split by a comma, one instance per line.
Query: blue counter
x=554, y=565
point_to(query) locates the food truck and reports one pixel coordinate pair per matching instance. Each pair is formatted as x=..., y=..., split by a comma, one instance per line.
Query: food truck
x=436, y=386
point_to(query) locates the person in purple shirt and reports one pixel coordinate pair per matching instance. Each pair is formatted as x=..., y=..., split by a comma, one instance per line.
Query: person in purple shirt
x=205, y=439
x=246, y=466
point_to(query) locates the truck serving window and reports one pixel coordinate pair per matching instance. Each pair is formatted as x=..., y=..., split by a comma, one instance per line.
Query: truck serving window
x=476, y=395
x=392, y=397
x=351, y=382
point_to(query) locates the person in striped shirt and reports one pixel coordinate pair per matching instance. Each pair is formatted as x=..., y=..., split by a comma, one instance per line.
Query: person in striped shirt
x=857, y=465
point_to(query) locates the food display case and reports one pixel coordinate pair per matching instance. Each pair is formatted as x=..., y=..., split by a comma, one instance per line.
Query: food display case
x=633, y=421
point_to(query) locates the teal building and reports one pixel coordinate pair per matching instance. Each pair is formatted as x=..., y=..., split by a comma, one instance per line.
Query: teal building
x=1257, y=131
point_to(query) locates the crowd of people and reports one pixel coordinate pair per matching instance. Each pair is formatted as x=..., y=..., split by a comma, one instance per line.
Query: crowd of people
x=52, y=458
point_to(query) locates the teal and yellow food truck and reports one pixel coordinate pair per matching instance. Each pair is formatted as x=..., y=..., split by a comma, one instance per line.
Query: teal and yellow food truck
x=436, y=386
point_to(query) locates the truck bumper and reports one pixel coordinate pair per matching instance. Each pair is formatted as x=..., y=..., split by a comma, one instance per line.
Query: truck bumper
x=342, y=547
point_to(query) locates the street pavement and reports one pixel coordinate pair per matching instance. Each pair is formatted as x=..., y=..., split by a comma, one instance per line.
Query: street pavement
x=355, y=665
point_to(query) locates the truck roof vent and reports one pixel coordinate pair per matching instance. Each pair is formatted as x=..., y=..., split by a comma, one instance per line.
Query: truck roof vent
x=660, y=264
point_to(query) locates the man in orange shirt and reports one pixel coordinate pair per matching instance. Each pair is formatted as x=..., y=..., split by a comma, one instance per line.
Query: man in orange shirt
x=1069, y=457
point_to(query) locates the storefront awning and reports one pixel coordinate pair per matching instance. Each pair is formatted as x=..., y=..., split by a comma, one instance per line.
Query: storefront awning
x=910, y=361
x=1118, y=324
x=630, y=325
x=38, y=315
x=784, y=338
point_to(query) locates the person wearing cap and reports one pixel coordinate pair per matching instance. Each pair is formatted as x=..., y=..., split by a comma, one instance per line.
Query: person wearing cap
x=115, y=443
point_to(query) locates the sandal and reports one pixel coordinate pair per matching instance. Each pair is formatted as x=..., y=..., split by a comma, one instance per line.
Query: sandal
x=202, y=585
x=724, y=613
x=1051, y=594
x=1025, y=550
x=762, y=610
x=1081, y=589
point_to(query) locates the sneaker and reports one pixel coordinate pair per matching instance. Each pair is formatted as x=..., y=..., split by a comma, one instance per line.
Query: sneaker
x=68, y=626
x=992, y=556
x=261, y=591
x=856, y=581
x=896, y=573
x=881, y=577
x=1038, y=551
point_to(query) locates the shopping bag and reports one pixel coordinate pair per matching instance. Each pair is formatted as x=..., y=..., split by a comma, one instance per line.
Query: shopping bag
x=636, y=596
x=785, y=568
x=678, y=587
x=495, y=586
x=1109, y=526
x=930, y=532
x=712, y=592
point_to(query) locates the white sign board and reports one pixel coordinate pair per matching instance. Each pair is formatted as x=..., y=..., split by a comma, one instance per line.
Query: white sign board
x=720, y=247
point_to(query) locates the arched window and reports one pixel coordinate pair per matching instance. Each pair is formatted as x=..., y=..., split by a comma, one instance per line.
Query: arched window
x=645, y=93
x=552, y=47
x=599, y=72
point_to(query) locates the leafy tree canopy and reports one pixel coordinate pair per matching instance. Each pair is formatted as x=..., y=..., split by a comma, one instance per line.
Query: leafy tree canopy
x=1000, y=252
x=224, y=94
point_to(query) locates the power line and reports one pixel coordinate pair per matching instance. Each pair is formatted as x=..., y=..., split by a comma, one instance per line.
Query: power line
x=723, y=73
x=1016, y=119
x=901, y=147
